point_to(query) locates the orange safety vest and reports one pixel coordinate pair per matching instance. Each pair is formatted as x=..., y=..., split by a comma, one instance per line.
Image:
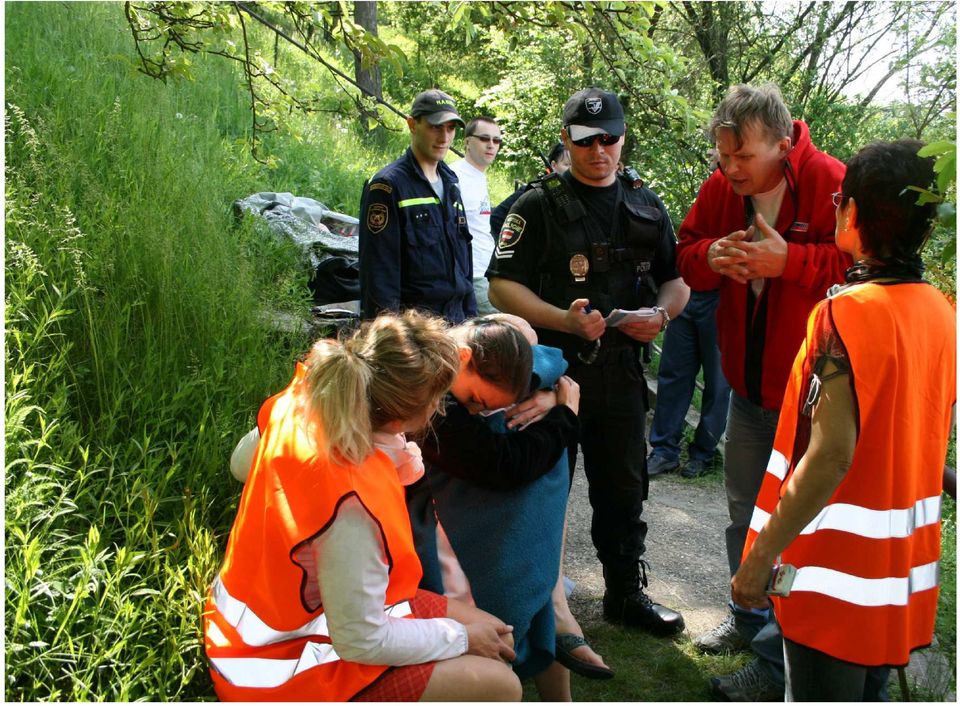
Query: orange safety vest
x=867, y=565
x=265, y=632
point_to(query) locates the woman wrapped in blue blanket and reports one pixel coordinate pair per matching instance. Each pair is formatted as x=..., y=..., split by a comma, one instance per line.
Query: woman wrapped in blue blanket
x=499, y=483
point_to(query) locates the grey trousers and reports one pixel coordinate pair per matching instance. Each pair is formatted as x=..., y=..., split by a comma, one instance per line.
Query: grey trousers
x=815, y=676
x=750, y=433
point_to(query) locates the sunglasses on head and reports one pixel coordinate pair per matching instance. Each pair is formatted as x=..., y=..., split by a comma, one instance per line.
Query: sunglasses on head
x=488, y=138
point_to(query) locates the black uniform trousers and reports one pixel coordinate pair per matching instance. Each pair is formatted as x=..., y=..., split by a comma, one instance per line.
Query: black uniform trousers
x=613, y=407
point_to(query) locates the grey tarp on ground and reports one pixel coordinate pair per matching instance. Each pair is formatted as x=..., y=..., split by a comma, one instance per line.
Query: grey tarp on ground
x=307, y=222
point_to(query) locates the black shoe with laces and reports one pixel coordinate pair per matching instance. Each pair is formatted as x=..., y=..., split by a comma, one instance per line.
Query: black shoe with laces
x=625, y=602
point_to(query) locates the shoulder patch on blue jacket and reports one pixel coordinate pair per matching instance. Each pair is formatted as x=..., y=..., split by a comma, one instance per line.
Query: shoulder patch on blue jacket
x=377, y=216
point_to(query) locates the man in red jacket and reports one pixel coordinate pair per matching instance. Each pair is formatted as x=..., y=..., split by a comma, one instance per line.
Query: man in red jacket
x=761, y=230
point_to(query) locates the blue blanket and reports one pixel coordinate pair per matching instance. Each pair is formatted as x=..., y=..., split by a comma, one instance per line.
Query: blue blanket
x=508, y=542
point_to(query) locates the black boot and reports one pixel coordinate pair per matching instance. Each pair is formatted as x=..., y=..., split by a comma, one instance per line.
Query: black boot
x=625, y=602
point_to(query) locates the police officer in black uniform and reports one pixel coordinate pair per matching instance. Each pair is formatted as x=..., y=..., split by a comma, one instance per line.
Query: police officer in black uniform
x=573, y=248
x=414, y=243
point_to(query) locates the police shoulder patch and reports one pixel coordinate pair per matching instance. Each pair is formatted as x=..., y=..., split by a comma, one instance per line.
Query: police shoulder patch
x=511, y=232
x=377, y=216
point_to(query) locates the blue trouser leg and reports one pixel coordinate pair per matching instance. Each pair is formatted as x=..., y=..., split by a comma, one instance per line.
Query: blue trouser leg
x=679, y=363
x=767, y=645
x=716, y=391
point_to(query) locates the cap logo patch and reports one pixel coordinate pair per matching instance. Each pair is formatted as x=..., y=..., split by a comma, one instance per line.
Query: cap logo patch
x=377, y=217
x=593, y=105
x=510, y=233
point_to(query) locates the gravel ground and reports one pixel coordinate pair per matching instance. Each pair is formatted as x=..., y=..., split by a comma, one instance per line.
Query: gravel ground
x=685, y=550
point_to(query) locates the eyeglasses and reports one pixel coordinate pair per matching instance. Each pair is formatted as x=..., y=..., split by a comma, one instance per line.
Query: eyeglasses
x=488, y=138
x=838, y=197
x=605, y=140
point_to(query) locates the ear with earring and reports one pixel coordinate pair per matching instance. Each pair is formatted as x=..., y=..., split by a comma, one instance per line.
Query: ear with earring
x=848, y=235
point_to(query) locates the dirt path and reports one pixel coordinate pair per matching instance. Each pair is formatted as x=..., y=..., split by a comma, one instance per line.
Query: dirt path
x=685, y=549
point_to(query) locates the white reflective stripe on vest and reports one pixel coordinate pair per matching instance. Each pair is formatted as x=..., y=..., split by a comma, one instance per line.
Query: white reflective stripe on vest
x=877, y=524
x=777, y=465
x=267, y=673
x=863, y=522
x=256, y=633
x=759, y=518
x=866, y=592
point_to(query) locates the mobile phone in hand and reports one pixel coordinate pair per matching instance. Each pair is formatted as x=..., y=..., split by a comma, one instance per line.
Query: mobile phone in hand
x=781, y=580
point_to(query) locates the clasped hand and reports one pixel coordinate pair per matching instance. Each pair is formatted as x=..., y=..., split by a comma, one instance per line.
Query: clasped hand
x=742, y=260
x=486, y=638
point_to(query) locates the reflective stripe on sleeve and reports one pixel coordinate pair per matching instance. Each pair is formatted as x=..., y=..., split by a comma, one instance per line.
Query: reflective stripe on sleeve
x=256, y=633
x=418, y=201
x=864, y=522
x=866, y=592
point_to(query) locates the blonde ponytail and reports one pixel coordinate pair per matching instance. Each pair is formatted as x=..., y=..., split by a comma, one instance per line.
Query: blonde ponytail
x=392, y=369
x=337, y=384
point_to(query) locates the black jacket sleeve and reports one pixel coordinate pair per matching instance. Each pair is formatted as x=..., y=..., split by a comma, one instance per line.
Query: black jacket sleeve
x=464, y=446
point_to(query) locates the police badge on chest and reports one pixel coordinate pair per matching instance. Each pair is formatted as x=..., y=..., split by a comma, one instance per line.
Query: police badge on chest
x=581, y=264
x=579, y=267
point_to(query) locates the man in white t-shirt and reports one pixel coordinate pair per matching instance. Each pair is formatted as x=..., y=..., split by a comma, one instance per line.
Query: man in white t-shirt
x=482, y=139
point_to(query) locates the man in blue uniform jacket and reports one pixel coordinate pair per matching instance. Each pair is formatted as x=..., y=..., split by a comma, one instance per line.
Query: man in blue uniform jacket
x=414, y=243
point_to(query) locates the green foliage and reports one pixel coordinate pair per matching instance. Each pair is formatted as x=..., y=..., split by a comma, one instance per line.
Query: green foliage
x=134, y=358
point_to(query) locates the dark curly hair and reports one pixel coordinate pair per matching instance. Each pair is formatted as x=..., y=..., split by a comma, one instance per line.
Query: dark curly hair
x=888, y=217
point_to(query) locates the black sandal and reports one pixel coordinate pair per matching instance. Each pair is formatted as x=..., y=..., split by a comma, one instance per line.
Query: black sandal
x=566, y=643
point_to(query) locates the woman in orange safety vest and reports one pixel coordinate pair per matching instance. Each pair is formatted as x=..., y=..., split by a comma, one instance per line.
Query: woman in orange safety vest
x=317, y=599
x=851, y=496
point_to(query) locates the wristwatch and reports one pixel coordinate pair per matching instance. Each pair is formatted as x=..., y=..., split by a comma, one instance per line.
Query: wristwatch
x=666, y=317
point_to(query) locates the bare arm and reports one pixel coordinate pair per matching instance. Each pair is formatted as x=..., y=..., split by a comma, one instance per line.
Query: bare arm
x=515, y=298
x=833, y=438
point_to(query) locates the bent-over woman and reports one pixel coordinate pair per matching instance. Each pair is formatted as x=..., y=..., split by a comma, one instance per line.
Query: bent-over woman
x=501, y=497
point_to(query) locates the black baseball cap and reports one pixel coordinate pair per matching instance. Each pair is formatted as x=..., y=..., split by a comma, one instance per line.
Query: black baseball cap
x=436, y=106
x=593, y=111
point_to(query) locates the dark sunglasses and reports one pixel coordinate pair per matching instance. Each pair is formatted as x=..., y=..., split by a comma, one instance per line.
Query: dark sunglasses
x=605, y=140
x=488, y=138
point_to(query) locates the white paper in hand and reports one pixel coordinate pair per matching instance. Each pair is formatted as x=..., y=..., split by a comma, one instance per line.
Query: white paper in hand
x=621, y=316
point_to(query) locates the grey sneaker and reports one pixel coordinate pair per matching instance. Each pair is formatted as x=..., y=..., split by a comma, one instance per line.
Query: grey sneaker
x=694, y=468
x=724, y=638
x=657, y=464
x=749, y=683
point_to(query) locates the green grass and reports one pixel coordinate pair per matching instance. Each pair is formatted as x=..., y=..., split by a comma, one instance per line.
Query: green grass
x=647, y=668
